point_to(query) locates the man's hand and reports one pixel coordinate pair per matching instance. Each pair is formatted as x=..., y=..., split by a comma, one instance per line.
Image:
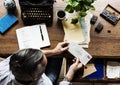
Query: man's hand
x=61, y=47
x=73, y=68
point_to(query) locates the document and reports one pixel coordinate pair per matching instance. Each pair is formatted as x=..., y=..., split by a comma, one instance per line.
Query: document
x=73, y=32
x=35, y=36
x=77, y=51
x=113, y=69
x=79, y=32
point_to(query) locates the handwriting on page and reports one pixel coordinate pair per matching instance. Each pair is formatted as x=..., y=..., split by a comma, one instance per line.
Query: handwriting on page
x=77, y=51
x=30, y=36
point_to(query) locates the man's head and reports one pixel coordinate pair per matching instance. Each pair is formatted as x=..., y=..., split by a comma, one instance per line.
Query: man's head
x=27, y=65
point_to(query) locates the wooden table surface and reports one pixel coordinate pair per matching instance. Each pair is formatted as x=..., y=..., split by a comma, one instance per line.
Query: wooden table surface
x=102, y=45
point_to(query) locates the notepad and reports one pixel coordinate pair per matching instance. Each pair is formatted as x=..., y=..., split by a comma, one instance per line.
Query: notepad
x=7, y=21
x=35, y=36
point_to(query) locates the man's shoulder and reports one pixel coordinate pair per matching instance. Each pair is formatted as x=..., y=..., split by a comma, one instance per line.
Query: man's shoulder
x=5, y=59
x=46, y=80
x=6, y=75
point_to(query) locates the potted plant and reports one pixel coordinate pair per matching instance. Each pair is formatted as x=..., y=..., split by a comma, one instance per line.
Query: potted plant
x=80, y=7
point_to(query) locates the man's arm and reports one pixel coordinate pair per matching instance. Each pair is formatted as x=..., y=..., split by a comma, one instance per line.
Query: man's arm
x=70, y=74
x=61, y=47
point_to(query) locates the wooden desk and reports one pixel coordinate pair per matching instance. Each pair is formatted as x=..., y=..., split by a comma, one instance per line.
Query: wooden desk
x=102, y=45
x=8, y=41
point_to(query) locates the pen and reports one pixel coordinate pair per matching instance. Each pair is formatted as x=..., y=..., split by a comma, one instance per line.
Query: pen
x=41, y=33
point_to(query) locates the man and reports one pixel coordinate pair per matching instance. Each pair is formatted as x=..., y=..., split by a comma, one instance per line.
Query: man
x=27, y=67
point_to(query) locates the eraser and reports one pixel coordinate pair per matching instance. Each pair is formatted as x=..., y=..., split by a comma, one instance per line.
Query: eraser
x=93, y=19
x=99, y=28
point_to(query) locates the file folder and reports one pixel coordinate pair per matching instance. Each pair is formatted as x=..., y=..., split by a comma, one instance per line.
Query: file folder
x=99, y=74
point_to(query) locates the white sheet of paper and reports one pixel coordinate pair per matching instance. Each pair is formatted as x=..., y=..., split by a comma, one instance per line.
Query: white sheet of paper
x=77, y=51
x=30, y=37
x=113, y=69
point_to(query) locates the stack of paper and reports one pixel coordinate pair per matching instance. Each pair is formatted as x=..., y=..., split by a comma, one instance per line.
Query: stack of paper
x=113, y=69
x=73, y=32
x=35, y=36
x=78, y=33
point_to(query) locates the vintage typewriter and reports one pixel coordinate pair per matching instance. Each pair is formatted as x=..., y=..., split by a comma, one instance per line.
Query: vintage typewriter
x=36, y=11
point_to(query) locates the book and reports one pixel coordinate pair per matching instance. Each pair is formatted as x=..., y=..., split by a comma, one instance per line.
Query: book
x=7, y=21
x=35, y=36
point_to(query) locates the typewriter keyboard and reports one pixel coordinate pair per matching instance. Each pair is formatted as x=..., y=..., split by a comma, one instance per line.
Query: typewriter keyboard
x=38, y=15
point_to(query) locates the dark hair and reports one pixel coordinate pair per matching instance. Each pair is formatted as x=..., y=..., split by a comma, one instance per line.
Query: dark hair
x=24, y=62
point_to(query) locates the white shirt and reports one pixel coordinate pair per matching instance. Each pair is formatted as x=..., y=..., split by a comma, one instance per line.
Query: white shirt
x=7, y=78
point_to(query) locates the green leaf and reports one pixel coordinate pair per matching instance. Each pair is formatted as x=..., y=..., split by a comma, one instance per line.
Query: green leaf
x=92, y=7
x=77, y=8
x=79, y=5
x=74, y=20
x=69, y=9
x=83, y=14
x=74, y=3
x=86, y=7
x=78, y=0
x=88, y=2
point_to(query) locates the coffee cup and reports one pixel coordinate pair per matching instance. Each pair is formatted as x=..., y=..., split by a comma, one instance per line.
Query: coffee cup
x=61, y=15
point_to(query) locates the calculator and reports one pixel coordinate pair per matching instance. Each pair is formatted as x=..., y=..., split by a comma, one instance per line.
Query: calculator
x=36, y=12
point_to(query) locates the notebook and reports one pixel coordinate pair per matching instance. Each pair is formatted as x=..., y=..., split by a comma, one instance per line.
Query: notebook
x=35, y=36
x=7, y=21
